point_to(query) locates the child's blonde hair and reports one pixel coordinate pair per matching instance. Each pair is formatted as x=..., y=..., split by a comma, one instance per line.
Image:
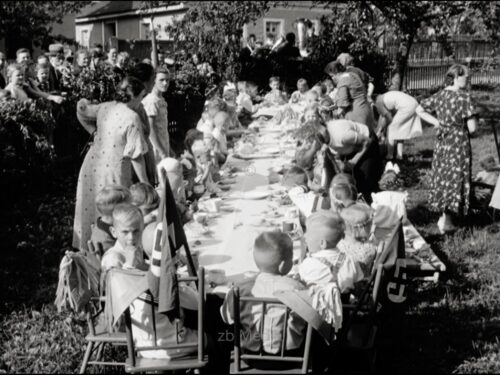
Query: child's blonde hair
x=144, y=196
x=302, y=82
x=274, y=79
x=312, y=94
x=109, y=196
x=358, y=220
x=39, y=67
x=127, y=213
x=270, y=249
x=242, y=86
x=12, y=68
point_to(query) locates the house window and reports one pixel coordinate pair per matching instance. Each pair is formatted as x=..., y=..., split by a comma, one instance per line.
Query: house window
x=146, y=30
x=110, y=29
x=273, y=27
x=84, y=38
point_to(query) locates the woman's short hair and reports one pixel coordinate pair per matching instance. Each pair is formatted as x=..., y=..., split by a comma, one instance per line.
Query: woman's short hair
x=191, y=136
x=82, y=52
x=274, y=79
x=162, y=70
x=301, y=82
x=455, y=71
x=216, y=104
x=22, y=50
x=142, y=71
x=128, y=89
x=334, y=67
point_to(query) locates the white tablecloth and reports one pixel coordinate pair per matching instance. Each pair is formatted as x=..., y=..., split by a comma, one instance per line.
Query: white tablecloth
x=229, y=243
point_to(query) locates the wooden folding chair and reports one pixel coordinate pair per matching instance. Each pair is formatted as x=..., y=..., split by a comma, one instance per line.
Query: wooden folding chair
x=359, y=330
x=99, y=335
x=481, y=185
x=137, y=364
x=291, y=364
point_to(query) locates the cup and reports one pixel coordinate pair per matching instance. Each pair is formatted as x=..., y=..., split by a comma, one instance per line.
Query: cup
x=213, y=205
x=201, y=218
x=217, y=277
x=291, y=213
x=289, y=226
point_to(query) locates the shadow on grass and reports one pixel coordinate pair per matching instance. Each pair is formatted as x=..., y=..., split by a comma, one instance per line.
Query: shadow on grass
x=436, y=340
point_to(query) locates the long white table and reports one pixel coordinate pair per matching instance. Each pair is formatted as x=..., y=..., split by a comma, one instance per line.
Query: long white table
x=228, y=244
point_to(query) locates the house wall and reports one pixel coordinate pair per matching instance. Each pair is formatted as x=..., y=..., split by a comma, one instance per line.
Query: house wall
x=128, y=28
x=288, y=16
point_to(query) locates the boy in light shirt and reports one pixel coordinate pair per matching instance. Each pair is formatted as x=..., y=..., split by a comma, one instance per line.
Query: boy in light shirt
x=128, y=224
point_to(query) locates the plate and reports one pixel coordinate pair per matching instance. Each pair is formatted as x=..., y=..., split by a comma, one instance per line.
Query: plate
x=254, y=195
x=253, y=156
x=270, y=150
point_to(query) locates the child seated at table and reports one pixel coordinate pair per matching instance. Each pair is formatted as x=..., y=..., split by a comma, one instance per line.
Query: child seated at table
x=358, y=219
x=244, y=106
x=275, y=97
x=106, y=201
x=127, y=227
x=147, y=199
x=326, y=263
x=311, y=98
x=205, y=169
x=273, y=255
x=343, y=192
x=299, y=96
x=188, y=161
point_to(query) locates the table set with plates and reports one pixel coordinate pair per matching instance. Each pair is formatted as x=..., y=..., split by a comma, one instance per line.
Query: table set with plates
x=251, y=201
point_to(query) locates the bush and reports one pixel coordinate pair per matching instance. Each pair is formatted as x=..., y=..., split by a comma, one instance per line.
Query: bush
x=24, y=147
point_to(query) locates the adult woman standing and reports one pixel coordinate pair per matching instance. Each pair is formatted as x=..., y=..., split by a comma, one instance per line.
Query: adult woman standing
x=397, y=115
x=451, y=164
x=351, y=98
x=119, y=146
x=355, y=148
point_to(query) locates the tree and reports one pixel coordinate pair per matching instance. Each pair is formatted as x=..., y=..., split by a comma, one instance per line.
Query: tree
x=213, y=31
x=146, y=8
x=24, y=22
x=408, y=21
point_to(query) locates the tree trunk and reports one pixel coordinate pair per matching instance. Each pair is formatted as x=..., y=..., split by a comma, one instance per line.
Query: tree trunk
x=154, y=44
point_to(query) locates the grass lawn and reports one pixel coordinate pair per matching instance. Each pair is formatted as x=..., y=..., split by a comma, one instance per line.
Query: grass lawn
x=450, y=326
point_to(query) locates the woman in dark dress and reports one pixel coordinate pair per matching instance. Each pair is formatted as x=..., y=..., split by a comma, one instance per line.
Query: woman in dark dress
x=451, y=164
x=351, y=98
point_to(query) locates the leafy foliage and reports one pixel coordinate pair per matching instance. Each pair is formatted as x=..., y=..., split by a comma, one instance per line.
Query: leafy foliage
x=32, y=19
x=24, y=128
x=213, y=31
x=97, y=85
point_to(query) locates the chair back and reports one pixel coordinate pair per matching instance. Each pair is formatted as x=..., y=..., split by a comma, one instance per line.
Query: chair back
x=199, y=344
x=301, y=362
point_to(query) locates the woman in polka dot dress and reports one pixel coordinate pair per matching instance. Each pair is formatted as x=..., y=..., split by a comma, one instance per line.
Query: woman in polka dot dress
x=119, y=146
x=451, y=164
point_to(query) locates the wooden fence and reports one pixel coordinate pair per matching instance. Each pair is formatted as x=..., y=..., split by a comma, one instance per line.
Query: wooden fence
x=429, y=60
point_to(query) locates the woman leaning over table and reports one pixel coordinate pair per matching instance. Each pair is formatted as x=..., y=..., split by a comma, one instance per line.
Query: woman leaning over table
x=119, y=146
x=354, y=148
x=451, y=164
